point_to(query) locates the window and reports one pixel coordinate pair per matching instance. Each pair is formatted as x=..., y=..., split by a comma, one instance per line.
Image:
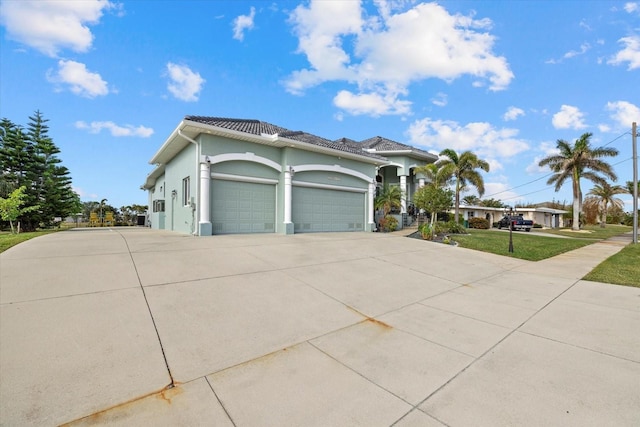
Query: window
x=186, y=192
x=158, y=205
x=470, y=214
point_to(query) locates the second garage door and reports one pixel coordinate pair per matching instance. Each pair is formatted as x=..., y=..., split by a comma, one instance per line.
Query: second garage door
x=316, y=210
x=243, y=207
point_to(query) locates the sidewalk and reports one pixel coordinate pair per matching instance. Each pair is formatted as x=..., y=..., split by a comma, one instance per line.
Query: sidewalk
x=129, y=326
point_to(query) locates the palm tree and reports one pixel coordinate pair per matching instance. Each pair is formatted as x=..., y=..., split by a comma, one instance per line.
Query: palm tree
x=629, y=187
x=390, y=197
x=579, y=161
x=463, y=168
x=437, y=175
x=472, y=200
x=602, y=195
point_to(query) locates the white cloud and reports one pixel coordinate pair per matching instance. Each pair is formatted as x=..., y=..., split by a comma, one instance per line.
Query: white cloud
x=373, y=104
x=440, y=99
x=501, y=190
x=512, y=113
x=546, y=149
x=630, y=53
x=383, y=54
x=242, y=23
x=632, y=7
x=184, y=84
x=50, y=26
x=80, y=80
x=584, y=48
x=115, y=130
x=624, y=113
x=604, y=128
x=569, y=117
x=482, y=138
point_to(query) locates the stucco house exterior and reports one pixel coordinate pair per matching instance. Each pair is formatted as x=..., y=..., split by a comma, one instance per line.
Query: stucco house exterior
x=546, y=217
x=225, y=176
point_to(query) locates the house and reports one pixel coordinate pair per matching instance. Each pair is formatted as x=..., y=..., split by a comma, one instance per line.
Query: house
x=546, y=217
x=223, y=176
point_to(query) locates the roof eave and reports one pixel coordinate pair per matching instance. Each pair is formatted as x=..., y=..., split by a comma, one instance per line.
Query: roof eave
x=413, y=153
x=150, y=181
x=168, y=149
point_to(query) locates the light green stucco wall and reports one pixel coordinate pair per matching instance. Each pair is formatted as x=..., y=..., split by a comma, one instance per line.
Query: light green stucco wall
x=179, y=217
x=184, y=219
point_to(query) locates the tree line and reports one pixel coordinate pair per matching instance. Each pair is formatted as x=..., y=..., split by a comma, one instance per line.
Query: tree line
x=35, y=188
x=455, y=173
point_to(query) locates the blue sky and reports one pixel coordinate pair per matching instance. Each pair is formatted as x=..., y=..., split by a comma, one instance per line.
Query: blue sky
x=504, y=79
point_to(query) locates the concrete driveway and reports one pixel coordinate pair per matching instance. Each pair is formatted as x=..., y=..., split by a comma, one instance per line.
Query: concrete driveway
x=129, y=326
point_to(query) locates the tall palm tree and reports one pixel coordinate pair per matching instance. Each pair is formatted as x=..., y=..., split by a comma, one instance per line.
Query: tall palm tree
x=576, y=162
x=437, y=175
x=390, y=197
x=464, y=172
x=602, y=195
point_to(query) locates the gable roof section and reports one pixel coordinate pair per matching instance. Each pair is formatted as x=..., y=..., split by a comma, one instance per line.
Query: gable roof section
x=382, y=146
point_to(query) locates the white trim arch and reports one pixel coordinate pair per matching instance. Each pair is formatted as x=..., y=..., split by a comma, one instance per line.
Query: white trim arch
x=247, y=157
x=369, y=191
x=334, y=168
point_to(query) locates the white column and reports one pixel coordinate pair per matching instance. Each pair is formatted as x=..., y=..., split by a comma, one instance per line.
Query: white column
x=403, y=187
x=287, y=196
x=372, y=192
x=420, y=182
x=205, y=200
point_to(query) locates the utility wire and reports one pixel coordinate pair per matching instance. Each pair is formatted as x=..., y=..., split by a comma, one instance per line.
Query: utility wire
x=549, y=174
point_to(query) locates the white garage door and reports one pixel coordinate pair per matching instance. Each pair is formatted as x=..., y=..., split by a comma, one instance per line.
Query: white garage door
x=243, y=207
x=316, y=210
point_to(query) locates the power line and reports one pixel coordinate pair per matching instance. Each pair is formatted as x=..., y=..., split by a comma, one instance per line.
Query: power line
x=549, y=174
x=617, y=138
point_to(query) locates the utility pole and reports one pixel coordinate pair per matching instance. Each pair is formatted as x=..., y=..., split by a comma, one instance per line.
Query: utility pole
x=634, y=142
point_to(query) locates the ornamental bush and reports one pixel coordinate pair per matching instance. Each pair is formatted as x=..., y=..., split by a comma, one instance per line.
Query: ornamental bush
x=454, y=228
x=388, y=223
x=480, y=223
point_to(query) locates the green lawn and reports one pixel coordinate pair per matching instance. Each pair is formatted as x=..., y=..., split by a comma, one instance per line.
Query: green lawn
x=622, y=268
x=526, y=246
x=589, y=232
x=8, y=240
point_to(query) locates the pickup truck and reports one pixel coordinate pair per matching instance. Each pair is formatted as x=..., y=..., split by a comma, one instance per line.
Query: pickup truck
x=518, y=222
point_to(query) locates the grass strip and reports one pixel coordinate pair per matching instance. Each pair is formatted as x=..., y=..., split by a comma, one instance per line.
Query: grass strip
x=8, y=240
x=526, y=246
x=588, y=232
x=622, y=268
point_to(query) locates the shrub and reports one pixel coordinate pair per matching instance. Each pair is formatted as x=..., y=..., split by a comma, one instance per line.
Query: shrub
x=388, y=223
x=628, y=219
x=453, y=228
x=480, y=223
x=426, y=231
x=536, y=225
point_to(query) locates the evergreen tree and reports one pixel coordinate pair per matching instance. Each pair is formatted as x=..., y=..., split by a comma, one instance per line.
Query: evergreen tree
x=29, y=158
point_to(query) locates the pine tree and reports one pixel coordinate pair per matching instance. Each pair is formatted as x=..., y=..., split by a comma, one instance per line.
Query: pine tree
x=29, y=158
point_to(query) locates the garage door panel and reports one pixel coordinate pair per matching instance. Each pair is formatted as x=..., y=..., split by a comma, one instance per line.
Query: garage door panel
x=323, y=210
x=242, y=207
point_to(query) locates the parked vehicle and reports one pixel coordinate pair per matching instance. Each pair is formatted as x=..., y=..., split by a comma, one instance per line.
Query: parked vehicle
x=519, y=223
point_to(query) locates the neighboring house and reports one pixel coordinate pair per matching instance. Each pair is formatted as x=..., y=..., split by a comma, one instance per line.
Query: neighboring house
x=224, y=176
x=547, y=217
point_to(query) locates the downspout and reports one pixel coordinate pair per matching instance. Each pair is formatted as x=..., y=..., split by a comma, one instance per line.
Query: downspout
x=197, y=179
